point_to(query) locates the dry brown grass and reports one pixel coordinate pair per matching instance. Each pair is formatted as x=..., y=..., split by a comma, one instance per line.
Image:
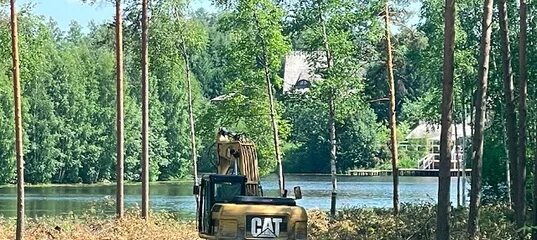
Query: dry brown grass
x=159, y=226
x=415, y=222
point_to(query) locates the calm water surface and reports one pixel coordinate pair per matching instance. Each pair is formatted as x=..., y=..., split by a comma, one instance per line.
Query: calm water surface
x=177, y=197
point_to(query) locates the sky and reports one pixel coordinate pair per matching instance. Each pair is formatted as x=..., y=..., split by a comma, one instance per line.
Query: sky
x=66, y=11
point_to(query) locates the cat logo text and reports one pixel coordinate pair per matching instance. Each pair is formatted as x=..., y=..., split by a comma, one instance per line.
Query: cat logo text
x=266, y=226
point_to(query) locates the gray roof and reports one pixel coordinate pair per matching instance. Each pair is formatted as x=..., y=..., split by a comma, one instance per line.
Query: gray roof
x=223, y=97
x=298, y=66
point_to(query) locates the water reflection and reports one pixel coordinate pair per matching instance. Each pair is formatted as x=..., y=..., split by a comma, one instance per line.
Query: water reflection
x=176, y=196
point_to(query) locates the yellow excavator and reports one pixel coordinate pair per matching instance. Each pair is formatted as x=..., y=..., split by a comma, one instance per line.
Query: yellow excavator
x=231, y=203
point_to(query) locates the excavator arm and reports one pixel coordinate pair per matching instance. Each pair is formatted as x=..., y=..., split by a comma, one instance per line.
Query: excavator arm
x=238, y=156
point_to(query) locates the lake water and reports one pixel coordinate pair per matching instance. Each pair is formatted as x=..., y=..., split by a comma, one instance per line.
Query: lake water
x=176, y=196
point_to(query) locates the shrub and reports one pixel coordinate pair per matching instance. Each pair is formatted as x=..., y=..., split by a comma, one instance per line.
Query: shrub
x=413, y=222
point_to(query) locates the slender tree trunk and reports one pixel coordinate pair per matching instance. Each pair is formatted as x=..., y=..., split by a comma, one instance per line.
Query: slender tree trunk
x=522, y=112
x=508, y=179
x=273, y=120
x=472, y=122
x=464, y=137
x=507, y=167
x=331, y=118
x=393, y=120
x=333, y=168
x=333, y=148
x=510, y=115
x=480, y=113
x=119, y=112
x=191, y=120
x=508, y=172
x=534, y=232
x=275, y=137
x=18, y=123
x=458, y=162
x=442, y=230
x=145, y=114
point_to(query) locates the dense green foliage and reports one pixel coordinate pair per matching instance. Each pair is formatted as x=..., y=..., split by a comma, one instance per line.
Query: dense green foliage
x=69, y=99
x=68, y=78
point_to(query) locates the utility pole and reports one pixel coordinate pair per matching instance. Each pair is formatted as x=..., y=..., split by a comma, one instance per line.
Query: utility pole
x=18, y=123
x=119, y=113
x=145, y=114
x=393, y=120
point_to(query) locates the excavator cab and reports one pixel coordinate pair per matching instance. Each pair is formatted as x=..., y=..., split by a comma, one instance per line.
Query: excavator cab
x=231, y=205
x=225, y=212
x=214, y=189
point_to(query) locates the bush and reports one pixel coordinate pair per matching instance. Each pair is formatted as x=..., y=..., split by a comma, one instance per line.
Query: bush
x=414, y=222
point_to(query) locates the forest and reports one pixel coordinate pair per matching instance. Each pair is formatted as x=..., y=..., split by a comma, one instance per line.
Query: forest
x=69, y=96
x=68, y=86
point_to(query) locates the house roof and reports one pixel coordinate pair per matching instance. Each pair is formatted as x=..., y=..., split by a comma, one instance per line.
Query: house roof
x=432, y=131
x=299, y=66
x=223, y=97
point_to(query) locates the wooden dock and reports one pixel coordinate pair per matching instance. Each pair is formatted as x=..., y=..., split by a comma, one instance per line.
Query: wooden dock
x=404, y=172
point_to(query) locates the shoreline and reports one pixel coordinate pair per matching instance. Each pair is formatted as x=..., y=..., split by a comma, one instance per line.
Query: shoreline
x=112, y=183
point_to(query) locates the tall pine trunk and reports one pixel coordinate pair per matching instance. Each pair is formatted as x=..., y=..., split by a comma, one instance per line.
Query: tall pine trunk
x=393, y=123
x=480, y=113
x=145, y=114
x=510, y=115
x=18, y=123
x=522, y=113
x=442, y=230
x=120, y=209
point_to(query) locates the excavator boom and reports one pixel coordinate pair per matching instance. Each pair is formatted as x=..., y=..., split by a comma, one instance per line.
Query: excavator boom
x=238, y=155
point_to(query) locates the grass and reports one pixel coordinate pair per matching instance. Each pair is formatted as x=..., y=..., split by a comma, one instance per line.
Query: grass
x=416, y=222
x=158, y=226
